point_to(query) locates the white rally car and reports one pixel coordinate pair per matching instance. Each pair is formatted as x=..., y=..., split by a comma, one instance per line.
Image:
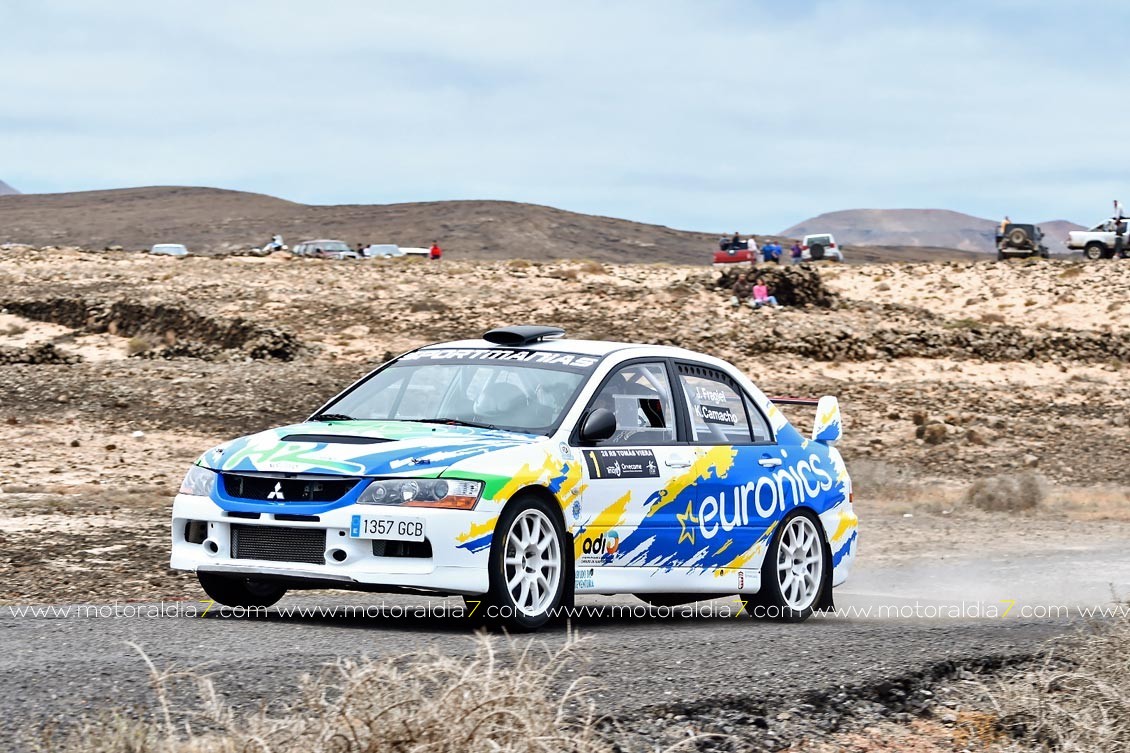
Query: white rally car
x=522, y=469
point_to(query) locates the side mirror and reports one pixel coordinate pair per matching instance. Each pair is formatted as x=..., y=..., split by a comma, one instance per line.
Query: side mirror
x=827, y=427
x=598, y=426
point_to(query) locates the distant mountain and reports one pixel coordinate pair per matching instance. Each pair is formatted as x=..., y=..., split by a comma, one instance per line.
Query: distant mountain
x=212, y=220
x=921, y=227
x=6, y=190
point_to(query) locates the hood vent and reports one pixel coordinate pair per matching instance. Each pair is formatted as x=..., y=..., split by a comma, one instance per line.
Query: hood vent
x=332, y=439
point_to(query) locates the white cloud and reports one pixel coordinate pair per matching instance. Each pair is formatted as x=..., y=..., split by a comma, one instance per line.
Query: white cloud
x=706, y=115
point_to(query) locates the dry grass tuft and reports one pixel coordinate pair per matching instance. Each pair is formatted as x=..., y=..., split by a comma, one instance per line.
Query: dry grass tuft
x=874, y=479
x=13, y=330
x=590, y=267
x=137, y=345
x=521, y=701
x=1078, y=699
x=1008, y=493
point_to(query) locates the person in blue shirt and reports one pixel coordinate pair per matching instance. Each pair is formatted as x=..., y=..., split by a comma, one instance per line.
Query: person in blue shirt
x=771, y=252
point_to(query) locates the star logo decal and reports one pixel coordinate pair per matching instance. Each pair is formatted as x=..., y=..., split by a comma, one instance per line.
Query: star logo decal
x=683, y=518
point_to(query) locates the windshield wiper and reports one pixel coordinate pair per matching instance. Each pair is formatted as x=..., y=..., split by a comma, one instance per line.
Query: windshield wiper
x=332, y=417
x=452, y=422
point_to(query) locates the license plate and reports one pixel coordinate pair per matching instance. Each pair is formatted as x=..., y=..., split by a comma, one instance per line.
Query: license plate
x=392, y=529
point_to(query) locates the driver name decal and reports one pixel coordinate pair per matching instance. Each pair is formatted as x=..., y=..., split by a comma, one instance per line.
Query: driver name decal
x=717, y=415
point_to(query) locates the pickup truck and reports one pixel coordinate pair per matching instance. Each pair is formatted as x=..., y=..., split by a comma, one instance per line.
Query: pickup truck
x=1099, y=241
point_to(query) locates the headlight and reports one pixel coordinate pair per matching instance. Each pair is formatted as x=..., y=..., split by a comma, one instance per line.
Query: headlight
x=423, y=492
x=199, y=481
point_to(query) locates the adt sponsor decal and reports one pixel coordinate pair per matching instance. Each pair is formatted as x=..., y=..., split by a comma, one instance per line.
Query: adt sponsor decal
x=594, y=549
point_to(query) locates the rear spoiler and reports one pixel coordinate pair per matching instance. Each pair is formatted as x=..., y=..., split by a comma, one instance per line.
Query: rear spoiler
x=794, y=401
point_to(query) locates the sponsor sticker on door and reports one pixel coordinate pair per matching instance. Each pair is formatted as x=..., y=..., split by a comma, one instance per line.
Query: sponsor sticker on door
x=618, y=464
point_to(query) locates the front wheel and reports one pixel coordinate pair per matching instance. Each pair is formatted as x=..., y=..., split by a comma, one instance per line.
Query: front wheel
x=793, y=573
x=527, y=566
x=240, y=592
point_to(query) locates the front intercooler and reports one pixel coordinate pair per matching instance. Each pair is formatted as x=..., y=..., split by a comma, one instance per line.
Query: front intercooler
x=278, y=544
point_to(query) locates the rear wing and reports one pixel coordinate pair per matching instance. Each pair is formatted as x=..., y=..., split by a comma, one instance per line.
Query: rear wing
x=827, y=427
x=795, y=401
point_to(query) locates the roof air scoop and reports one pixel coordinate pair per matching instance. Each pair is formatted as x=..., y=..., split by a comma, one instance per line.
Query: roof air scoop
x=524, y=334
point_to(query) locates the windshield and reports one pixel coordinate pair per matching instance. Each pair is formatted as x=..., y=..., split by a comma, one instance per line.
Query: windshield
x=526, y=391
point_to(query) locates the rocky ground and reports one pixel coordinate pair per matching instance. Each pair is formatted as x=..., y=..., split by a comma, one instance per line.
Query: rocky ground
x=116, y=370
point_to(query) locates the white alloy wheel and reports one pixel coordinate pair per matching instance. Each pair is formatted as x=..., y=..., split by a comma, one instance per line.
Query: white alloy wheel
x=532, y=562
x=800, y=563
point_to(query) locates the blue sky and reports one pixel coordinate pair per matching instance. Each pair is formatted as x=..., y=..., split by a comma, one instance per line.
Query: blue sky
x=699, y=115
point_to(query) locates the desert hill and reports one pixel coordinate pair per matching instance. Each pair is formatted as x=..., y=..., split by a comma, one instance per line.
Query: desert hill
x=210, y=220
x=214, y=220
x=6, y=190
x=921, y=227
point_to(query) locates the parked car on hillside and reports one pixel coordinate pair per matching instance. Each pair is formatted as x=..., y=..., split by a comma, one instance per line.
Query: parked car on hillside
x=169, y=249
x=743, y=252
x=521, y=469
x=325, y=249
x=1021, y=240
x=1099, y=241
x=416, y=251
x=382, y=251
x=820, y=248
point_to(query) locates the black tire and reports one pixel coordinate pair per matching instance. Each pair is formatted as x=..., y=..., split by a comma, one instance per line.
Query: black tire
x=816, y=252
x=240, y=592
x=499, y=605
x=1094, y=251
x=673, y=600
x=1018, y=237
x=770, y=602
x=1000, y=255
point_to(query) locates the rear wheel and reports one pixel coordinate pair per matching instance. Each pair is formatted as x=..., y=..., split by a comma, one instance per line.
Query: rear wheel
x=240, y=592
x=527, y=566
x=1094, y=251
x=793, y=573
x=816, y=251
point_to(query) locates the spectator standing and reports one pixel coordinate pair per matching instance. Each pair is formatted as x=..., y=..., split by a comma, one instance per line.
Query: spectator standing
x=742, y=291
x=771, y=252
x=1001, y=228
x=761, y=295
x=797, y=252
x=435, y=253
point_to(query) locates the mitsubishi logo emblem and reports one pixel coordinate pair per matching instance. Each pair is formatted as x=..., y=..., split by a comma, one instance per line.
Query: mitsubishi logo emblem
x=277, y=493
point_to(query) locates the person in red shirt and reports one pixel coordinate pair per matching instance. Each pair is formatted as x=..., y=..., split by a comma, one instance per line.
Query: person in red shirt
x=435, y=253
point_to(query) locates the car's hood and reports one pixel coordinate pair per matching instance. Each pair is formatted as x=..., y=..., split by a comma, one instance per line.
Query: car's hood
x=360, y=448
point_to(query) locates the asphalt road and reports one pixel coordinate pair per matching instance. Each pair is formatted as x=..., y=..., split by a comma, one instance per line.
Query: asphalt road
x=59, y=666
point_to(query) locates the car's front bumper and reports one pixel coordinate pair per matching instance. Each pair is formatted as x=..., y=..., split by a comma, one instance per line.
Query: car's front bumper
x=459, y=539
